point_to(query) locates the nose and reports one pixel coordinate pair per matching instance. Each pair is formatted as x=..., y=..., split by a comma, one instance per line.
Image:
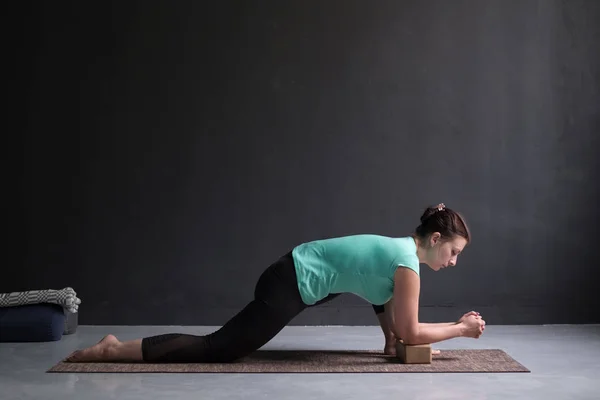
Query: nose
x=452, y=262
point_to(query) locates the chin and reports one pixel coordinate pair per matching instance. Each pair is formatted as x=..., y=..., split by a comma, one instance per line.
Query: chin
x=436, y=267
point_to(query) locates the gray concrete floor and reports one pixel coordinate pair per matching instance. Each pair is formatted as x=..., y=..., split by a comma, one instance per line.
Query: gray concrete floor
x=563, y=360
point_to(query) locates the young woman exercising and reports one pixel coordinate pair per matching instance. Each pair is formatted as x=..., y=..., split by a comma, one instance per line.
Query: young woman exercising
x=380, y=269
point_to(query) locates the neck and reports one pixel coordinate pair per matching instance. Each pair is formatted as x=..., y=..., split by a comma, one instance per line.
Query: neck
x=420, y=251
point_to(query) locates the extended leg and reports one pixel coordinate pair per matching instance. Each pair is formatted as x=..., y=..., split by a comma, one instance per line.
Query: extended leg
x=276, y=302
x=246, y=332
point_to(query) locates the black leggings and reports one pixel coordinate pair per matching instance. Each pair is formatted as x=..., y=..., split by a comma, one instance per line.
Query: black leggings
x=276, y=302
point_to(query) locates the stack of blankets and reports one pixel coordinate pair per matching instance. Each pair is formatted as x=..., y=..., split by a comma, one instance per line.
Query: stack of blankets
x=38, y=315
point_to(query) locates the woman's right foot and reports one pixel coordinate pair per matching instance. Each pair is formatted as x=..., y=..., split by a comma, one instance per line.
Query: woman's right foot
x=104, y=350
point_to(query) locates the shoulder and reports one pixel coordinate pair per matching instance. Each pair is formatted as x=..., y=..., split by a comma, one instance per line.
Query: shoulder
x=407, y=254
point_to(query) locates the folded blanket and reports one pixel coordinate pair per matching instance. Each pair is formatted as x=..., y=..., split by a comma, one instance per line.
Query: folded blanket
x=67, y=298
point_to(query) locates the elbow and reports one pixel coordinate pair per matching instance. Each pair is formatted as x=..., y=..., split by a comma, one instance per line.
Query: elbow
x=412, y=339
x=409, y=335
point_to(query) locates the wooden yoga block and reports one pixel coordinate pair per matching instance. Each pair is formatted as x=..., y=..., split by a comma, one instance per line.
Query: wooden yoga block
x=413, y=353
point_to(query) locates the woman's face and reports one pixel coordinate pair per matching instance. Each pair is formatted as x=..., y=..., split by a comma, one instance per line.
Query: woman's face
x=442, y=254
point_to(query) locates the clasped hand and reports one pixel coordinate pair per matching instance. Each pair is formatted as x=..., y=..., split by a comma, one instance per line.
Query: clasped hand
x=473, y=324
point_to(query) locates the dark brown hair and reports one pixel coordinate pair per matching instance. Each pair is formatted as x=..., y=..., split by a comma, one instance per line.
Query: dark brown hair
x=446, y=221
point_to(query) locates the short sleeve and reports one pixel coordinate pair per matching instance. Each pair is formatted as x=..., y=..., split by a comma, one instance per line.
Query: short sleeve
x=409, y=261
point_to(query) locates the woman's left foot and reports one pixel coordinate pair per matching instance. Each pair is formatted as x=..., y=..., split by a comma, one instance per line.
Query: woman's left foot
x=104, y=350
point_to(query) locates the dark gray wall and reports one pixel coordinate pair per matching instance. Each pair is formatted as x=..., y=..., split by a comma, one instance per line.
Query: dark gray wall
x=174, y=149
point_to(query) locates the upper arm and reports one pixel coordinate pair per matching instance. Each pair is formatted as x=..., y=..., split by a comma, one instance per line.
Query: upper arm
x=407, y=286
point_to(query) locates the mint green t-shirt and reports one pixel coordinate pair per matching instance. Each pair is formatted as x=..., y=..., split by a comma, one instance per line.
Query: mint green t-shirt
x=360, y=264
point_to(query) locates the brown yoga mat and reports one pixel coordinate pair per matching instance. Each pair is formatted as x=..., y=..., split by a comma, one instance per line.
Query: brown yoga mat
x=319, y=361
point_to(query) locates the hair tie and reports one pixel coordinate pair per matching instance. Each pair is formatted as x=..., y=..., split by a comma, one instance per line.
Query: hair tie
x=441, y=207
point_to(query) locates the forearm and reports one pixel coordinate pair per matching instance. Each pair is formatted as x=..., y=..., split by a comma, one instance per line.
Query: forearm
x=387, y=323
x=426, y=324
x=432, y=333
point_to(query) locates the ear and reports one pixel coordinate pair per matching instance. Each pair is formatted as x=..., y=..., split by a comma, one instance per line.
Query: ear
x=435, y=238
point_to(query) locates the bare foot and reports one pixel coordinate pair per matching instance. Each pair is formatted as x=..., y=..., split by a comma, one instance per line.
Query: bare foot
x=390, y=349
x=101, y=351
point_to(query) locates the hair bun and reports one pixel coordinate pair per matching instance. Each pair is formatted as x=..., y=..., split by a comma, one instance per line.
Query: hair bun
x=428, y=213
x=432, y=210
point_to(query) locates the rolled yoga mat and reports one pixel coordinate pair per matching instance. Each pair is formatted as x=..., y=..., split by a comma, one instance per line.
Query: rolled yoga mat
x=319, y=361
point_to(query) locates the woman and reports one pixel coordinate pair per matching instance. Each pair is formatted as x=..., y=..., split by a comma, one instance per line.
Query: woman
x=380, y=269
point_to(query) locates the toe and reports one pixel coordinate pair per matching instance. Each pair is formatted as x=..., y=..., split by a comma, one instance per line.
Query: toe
x=73, y=356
